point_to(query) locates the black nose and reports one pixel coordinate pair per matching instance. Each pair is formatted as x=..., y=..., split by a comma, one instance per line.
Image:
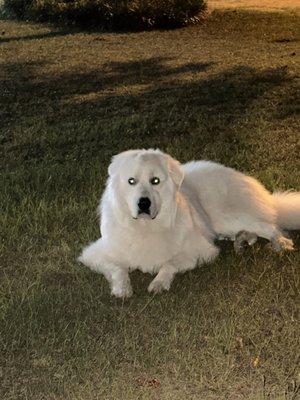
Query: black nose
x=144, y=203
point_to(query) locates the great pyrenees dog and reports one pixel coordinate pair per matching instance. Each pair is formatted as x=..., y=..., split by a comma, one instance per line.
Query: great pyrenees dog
x=162, y=217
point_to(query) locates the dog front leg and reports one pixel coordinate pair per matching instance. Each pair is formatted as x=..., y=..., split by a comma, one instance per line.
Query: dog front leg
x=163, y=279
x=120, y=282
x=118, y=277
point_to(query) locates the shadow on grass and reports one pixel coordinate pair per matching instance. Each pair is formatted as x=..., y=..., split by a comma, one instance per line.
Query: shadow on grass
x=53, y=127
x=46, y=35
x=145, y=102
x=289, y=105
x=23, y=80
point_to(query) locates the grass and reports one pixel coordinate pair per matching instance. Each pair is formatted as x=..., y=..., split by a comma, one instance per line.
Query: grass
x=226, y=91
x=261, y=5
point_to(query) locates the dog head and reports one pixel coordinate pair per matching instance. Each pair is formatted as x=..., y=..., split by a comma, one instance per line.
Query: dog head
x=145, y=183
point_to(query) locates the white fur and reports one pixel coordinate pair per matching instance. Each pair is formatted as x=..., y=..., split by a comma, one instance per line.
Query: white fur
x=288, y=209
x=193, y=204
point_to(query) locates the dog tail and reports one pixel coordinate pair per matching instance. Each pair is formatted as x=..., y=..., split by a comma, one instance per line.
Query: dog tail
x=288, y=209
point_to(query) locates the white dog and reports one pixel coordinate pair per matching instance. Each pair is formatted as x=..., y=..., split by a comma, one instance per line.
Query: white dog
x=162, y=217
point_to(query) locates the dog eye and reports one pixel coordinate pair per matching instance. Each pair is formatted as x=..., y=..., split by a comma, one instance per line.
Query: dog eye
x=131, y=181
x=155, y=181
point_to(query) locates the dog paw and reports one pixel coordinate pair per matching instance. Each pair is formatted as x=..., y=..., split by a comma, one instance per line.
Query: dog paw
x=81, y=259
x=244, y=237
x=157, y=286
x=122, y=292
x=282, y=243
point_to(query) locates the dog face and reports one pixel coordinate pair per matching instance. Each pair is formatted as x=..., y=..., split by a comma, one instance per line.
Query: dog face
x=145, y=182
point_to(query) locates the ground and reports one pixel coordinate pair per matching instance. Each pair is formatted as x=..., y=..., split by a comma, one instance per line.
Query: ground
x=227, y=90
x=266, y=5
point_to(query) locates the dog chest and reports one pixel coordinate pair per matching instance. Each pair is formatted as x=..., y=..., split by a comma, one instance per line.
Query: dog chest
x=145, y=250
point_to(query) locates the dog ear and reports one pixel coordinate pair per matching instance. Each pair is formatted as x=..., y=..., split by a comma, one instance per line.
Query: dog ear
x=175, y=170
x=114, y=166
x=118, y=160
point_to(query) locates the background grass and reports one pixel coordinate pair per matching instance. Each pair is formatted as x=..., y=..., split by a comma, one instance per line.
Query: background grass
x=226, y=91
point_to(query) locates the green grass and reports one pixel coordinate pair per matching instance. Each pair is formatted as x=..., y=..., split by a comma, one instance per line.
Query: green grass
x=226, y=91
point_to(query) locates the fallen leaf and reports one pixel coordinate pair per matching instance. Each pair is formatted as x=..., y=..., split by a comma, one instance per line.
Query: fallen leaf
x=255, y=362
x=148, y=382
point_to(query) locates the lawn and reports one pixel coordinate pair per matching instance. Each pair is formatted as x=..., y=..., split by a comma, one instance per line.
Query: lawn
x=227, y=90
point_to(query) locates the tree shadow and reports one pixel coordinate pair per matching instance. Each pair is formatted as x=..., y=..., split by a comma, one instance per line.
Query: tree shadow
x=22, y=78
x=46, y=35
x=131, y=104
x=289, y=105
x=144, y=71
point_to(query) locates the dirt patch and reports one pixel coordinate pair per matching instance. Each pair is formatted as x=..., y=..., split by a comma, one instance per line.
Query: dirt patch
x=256, y=4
